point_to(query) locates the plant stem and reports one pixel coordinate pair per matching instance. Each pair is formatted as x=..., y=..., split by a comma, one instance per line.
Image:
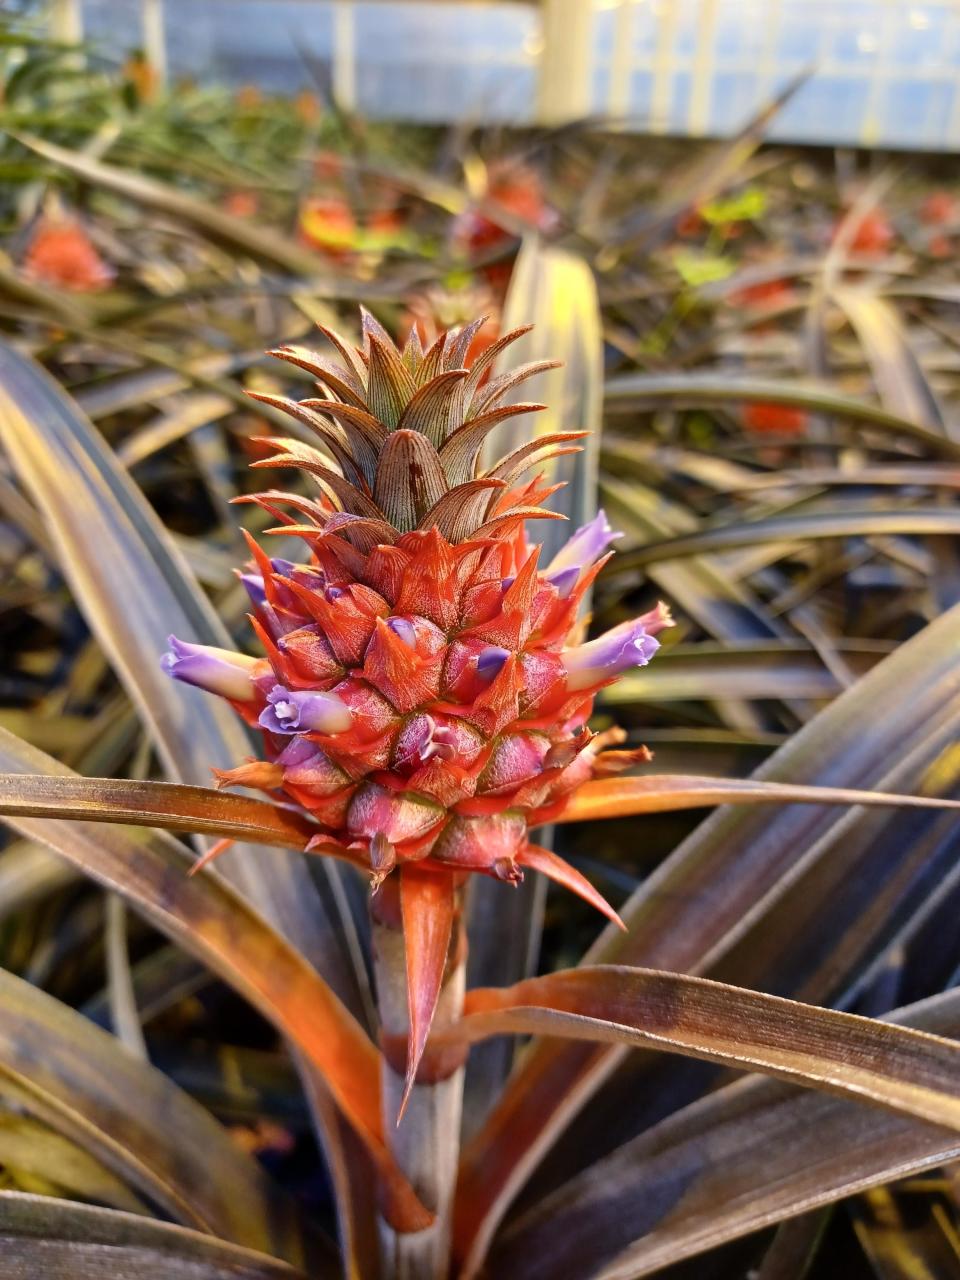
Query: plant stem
x=426, y=1143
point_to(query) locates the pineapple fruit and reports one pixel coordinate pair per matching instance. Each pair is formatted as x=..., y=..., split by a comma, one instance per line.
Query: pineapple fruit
x=418, y=694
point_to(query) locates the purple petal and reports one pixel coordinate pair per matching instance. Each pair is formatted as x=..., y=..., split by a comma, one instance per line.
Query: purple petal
x=565, y=580
x=253, y=585
x=299, y=711
x=490, y=662
x=585, y=546
x=626, y=646
x=405, y=629
x=421, y=740
x=216, y=670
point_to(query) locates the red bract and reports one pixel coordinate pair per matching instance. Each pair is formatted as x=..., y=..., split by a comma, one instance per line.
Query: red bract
x=418, y=696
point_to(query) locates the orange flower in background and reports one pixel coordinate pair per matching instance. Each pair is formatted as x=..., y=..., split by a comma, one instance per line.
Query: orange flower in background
x=765, y=294
x=327, y=223
x=874, y=233
x=307, y=107
x=940, y=246
x=61, y=253
x=383, y=227
x=939, y=207
x=765, y=418
x=327, y=166
x=141, y=76
x=518, y=191
x=435, y=311
x=690, y=225
x=247, y=97
x=241, y=204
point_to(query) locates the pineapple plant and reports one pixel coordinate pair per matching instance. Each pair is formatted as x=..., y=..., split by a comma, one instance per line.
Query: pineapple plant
x=423, y=694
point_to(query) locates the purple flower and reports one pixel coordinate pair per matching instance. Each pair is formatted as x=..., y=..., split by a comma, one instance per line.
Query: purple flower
x=216, y=670
x=565, y=580
x=284, y=567
x=585, y=547
x=632, y=644
x=295, y=711
x=489, y=662
x=253, y=585
x=422, y=739
x=404, y=630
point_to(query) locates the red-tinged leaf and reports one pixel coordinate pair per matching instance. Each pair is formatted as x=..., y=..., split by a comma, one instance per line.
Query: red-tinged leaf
x=910, y=1072
x=550, y=864
x=389, y=387
x=665, y=793
x=427, y=907
x=457, y=513
x=342, y=381
x=690, y=912
x=299, y=455
x=851, y=522
x=691, y=391
x=751, y=1154
x=322, y=427
x=483, y=362
x=409, y=480
x=77, y=1078
x=206, y=917
x=506, y=382
x=460, y=452
x=239, y=233
x=430, y=409
x=153, y=804
x=903, y=386
x=41, y=1236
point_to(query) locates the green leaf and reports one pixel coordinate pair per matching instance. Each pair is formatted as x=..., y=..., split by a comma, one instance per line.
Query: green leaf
x=748, y=205
x=698, y=268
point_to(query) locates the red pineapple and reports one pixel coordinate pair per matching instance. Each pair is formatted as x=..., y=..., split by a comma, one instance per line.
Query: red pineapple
x=62, y=254
x=418, y=696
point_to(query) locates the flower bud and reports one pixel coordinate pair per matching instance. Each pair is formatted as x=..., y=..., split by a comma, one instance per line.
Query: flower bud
x=489, y=662
x=564, y=580
x=253, y=585
x=216, y=670
x=296, y=711
x=632, y=644
x=585, y=546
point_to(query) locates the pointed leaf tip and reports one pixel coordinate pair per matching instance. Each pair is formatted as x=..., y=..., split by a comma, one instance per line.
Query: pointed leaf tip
x=557, y=869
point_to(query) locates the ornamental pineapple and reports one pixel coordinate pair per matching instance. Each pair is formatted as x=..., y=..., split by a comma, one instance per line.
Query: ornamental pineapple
x=418, y=697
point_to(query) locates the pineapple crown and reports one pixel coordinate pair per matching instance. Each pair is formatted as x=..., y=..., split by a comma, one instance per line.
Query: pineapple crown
x=406, y=428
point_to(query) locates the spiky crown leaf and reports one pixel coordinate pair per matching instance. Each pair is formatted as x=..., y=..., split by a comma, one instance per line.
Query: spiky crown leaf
x=407, y=430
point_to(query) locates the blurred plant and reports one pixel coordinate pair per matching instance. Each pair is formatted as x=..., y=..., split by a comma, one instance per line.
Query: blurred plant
x=61, y=253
